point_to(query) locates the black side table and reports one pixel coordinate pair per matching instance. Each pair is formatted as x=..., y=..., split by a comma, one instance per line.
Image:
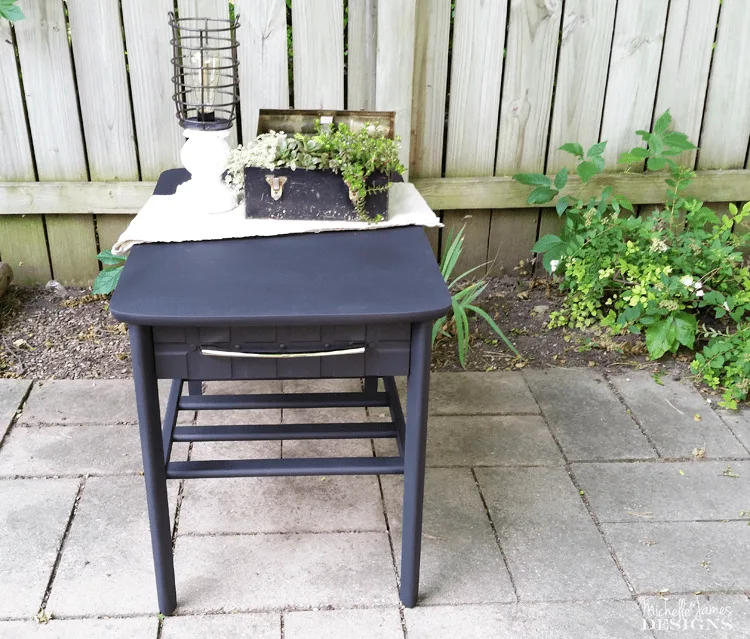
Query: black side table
x=328, y=305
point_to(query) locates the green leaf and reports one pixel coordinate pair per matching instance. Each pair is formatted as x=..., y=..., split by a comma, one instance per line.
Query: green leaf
x=542, y=195
x=561, y=179
x=624, y=202
x=586, y=170
x=662, y=124
x=661, y=337
x=545, y=243
x=627, y=158
x=656, y=164
x=486, y=317
x=656, y=145
x=596, y=150
x=573, y=148
x=438, y=326
x=639, y=152
x=109, y=258
x=10, y=11
x=686, y=326
x=533, y=179
x=562, y=205
x=106, y=281
x=679, y=141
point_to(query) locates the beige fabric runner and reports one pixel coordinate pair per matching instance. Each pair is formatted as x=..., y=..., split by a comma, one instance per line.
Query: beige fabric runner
x=163, y=219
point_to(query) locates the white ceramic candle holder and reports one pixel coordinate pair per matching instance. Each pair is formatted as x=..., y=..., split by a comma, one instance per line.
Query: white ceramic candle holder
x=205, y=155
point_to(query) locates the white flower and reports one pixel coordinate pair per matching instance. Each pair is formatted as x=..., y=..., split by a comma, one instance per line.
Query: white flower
x=698, y=285
x=658, y=246
x=726, y=306
x=699, y=293
x=687, y=281
x=553, y=265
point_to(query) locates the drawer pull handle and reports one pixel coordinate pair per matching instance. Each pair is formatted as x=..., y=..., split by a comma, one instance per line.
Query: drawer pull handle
x=210, y=352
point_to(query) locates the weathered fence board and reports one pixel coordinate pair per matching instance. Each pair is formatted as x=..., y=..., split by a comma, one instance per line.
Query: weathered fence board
x=264, y=77
x=15, y=160
x=147, y=36
x=533, y=30
x=72, y=248
x=109, y=228
x=474, y=111
x=362, y=54
x=23, y=246
x=688, y=45
x=430, y=80
x=96, y=36
x=633, y=74
x=726, y=122
x=318, y=41
x=395, y=61
x=579, y=91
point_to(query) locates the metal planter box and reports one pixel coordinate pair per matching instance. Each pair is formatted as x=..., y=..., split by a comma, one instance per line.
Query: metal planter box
x=300, y=194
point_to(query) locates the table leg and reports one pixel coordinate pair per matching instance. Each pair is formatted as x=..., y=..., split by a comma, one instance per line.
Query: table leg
x=371, y=385
x=149, y=422
x=417, y=389
x=195, y=387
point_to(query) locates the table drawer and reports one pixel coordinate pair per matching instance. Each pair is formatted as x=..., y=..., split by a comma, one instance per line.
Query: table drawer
x=283, y=352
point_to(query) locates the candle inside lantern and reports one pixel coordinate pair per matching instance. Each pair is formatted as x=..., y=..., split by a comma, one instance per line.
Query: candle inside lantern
x=206, y=66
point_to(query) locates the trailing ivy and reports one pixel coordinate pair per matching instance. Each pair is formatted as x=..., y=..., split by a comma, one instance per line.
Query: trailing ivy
x=676, y=275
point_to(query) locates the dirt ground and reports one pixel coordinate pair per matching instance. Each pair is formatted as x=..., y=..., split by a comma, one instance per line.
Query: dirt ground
x=44, y=336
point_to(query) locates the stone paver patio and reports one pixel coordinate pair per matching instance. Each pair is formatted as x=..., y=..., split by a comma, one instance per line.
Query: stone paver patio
x=559, y=505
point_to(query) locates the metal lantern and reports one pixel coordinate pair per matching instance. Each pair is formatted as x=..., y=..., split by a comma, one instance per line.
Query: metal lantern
x=206, y=95
x=206, y=81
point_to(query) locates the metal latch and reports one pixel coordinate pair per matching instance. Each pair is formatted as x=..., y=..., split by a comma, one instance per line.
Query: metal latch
x=277, y=185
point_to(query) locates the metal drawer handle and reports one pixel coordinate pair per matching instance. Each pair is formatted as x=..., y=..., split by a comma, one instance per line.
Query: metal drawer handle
x=217, y=353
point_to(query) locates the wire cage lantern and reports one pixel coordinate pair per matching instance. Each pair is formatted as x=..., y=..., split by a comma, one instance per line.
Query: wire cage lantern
x=206, y=80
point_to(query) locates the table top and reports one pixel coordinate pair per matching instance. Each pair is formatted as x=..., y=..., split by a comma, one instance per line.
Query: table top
x=342, y=277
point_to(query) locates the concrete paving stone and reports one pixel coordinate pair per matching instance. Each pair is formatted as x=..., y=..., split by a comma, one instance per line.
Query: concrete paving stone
x=12, y=392
x=487, y=440
x=587, y=620
x=33, y=516
x=698, y=616
x=739, y=423
x=461, y=562
x=668, y=412
x=106, y=566
x=502, y=393
x=258, y=572
x=282, y=504
x=383, y=623
x=553, y=548
x=246, y=626
x=138, y=628
x=71, y=450
x=88, y=401
x=327, y=448
x=330, y=447
x=240, y=417
x=586, y=416
x=683, y=556
x=204, y=451
x=672, y=491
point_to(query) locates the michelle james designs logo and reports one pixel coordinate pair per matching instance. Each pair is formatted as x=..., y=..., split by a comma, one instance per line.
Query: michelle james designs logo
x=686, y=614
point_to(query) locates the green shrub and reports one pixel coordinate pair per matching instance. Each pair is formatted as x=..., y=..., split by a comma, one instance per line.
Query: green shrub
x=676, y=275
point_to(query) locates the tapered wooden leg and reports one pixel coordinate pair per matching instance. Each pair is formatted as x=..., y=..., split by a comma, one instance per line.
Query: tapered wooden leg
x=417, y=390
x=149, y=423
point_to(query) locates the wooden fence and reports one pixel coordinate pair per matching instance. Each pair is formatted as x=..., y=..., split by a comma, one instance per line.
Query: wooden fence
x=481, y=88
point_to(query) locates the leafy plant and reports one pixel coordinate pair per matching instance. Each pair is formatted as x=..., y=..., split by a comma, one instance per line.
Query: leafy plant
x=463, y=298
x=677, y=275
x=108, y=277
x=354, y=154
x=10, y=11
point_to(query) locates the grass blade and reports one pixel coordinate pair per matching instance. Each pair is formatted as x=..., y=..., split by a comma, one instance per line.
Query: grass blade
x=486, y=317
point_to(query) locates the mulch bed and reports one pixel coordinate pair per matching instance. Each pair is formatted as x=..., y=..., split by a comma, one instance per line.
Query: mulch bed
x=45, y=336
